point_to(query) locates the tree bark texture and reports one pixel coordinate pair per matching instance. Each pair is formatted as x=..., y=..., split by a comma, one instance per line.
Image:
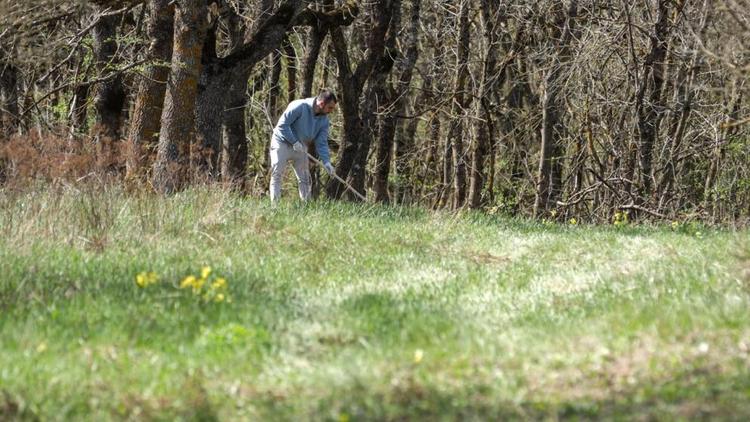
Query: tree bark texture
x=649, y=103
x=9, y=91
x=314, y=43
x=234, y=132
x=357, y=137
x=549, y=176
x=149, y=101
x=397, y=105
x=109, y=97
x=484, y=126
x=290, y=56
x=177, y=122
x=460, y=103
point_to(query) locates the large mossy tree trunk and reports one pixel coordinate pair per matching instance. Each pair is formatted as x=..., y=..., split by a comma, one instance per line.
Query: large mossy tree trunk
x=177, y=121
x=149, y=101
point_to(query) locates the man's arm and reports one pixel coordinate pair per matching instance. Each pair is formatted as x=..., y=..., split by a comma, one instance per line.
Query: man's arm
x=321, y=143
x=290, y=115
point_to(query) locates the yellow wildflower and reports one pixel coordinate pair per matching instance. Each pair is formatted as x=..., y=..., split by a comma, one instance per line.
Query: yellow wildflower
x=205, y=272
x=188, y=281
x=219, y=297
x=198, y=284
x=573, y=221
x=219, y=283
x=418, y=355
x=144, y=279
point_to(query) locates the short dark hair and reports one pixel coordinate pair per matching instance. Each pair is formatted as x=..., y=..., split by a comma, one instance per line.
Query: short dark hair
x=327, y=96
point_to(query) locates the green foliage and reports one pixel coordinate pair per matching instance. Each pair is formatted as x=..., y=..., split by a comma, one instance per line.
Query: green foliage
x=340, y=311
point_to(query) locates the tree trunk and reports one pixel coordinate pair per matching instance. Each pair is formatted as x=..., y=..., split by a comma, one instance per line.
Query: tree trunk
x=109, y=98
x=274, y=90
x=234, y=144
x=357, y=136
x=349, y=103
x=9, y=90
x=149, y=101
x=649, y=99
x=549, y=176
x=405, y=152
x=459, y=105
x=484, y=126
x=178, y=122
x=209, y=116
x=378, y=121
x=79, y=108
x=376, y=101
x=734, y=105
x=234, y=131
x=314, y=43
x=290, y=55
x=398, y=105
x=684, y=92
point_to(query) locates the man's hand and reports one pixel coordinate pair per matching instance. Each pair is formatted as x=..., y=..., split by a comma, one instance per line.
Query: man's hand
x=329, y=168
x=299, y=147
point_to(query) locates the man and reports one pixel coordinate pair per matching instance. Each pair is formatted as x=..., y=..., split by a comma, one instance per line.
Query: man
x=303, y=122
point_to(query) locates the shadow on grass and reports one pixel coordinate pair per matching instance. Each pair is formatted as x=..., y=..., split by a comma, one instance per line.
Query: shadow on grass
x=385, y=317
x=686, y=396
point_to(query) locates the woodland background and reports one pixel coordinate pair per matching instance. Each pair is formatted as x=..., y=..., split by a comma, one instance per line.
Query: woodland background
x=554, y=109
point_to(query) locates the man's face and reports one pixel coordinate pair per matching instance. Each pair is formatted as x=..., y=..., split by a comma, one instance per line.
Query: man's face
x=326, y=108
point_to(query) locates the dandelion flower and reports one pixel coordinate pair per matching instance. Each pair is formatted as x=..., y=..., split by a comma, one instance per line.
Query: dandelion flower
x=205, y=272
x=188, y=281
x=144, y=279
x=418, y=355
x=198, y=284
x=219, y=283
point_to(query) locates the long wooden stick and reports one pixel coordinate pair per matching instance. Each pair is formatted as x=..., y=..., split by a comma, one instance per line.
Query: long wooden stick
x=348, y=186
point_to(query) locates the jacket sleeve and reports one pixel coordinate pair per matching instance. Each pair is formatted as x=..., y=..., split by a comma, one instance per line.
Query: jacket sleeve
x=290, y=115
x=321, y=143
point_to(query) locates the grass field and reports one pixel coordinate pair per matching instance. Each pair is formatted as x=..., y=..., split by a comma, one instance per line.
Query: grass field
x=342, y=312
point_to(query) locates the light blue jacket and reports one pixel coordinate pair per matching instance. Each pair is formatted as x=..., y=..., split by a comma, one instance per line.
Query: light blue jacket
x=299, y=123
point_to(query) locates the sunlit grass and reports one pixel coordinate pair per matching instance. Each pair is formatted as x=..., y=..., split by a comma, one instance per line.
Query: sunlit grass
x=208, y=305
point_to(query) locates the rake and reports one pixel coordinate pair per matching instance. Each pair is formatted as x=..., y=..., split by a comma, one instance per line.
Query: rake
x=335, y=176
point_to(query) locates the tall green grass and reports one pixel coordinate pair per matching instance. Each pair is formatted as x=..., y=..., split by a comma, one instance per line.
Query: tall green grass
x=338, y=311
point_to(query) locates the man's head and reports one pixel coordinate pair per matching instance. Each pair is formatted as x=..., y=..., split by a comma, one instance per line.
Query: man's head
x=325, y=101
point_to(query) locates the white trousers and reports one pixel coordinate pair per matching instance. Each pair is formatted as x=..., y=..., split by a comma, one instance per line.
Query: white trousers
x=281, y=154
